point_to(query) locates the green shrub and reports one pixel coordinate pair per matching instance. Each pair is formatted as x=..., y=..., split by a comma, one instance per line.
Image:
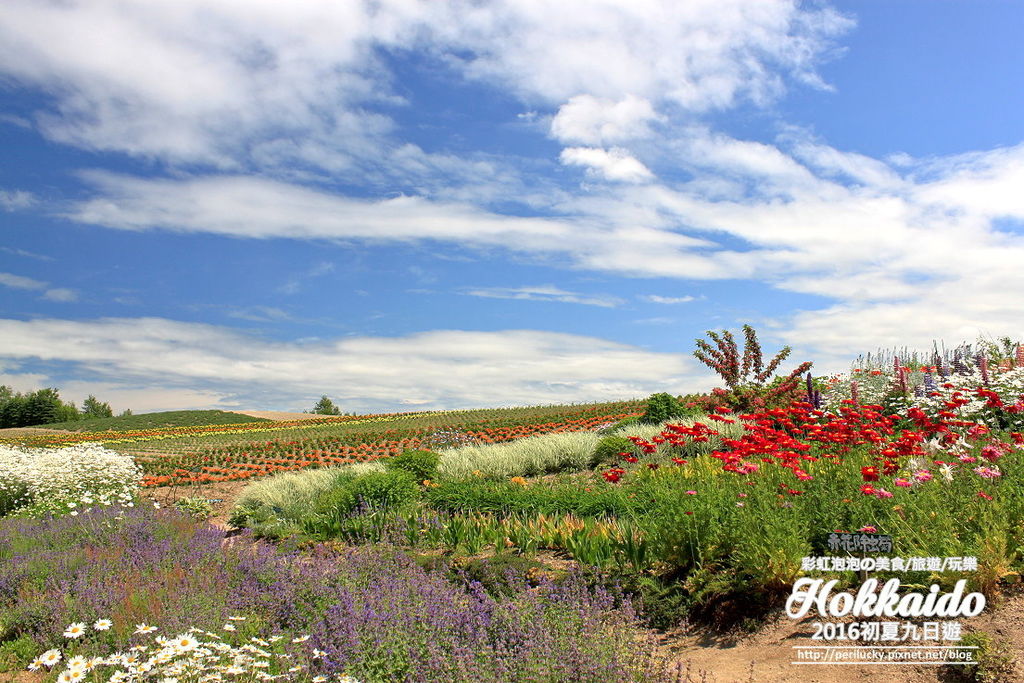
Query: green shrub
x=421, y=464
x=995, y=661
x=661, y=407
x=16, y=654
x=385, y=489
x=609, y=448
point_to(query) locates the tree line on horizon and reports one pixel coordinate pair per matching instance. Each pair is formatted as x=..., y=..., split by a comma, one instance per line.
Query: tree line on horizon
x=45, y=406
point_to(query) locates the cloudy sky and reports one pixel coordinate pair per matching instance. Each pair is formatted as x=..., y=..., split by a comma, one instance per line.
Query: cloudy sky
x=408, y=204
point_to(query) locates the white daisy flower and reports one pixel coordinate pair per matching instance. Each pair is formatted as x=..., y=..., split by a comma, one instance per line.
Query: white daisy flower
x=143, y=628
x=300, y=639
x=102, y=624
x=76, y=662
x=76, y=630
x=185, y=643
x=230, y=627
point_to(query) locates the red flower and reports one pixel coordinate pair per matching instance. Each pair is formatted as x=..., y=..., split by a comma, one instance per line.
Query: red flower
x=982, y=494
x=868, y=490
x=679, y=461
x=613, y=475
x=869, y=474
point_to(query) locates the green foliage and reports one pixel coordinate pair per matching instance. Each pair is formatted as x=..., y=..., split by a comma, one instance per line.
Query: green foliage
x=505, y=497
x=385, y=489
x=173, y=418
x=995, y=660
x=325, y=406
x=421, y=464
x=499, y=574
x=661, y=407
x=609, y=448
x=277, y=506
x=16, y=654
x=199, y=508
x=37, y=408
x=94, y=408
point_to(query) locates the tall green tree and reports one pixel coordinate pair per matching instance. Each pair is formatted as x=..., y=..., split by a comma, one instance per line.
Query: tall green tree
x=325, y=406
x=93, y=407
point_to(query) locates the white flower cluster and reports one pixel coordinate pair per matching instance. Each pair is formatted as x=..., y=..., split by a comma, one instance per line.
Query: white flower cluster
x=195, y=656
x=65, y=480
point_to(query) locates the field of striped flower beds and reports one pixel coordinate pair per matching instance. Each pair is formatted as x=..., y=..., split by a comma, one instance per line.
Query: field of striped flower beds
x=362, y=441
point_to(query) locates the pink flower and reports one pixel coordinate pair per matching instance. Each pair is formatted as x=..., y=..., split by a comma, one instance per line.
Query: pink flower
x=988, y=472
x=967, y=458
x=882, y=493
x=868, y=529
x=923, y=475
x=905, y=483
x=691, y=493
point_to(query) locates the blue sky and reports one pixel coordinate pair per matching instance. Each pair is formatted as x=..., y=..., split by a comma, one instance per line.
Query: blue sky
x=416, y=205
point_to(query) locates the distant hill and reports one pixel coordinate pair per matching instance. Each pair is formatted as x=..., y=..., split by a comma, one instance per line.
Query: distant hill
x=172, y=418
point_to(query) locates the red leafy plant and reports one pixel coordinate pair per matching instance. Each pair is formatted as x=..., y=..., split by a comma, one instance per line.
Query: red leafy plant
x=747, y=377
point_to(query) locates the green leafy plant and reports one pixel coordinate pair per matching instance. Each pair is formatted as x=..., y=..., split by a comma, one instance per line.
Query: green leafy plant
x=995, y=661
x=746, y=376
x=661, y=407
x=197, y=507
x=609, y=448
x=421, y=464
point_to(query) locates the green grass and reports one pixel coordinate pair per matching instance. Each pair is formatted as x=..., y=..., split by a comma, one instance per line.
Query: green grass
x=173, y=418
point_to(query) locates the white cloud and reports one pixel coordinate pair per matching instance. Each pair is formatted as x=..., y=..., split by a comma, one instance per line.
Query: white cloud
x=15, y=200
x=592, y=121
x=20, y=282
x=257, y=208
x=26, y=254
x=656, y=299
x=613, y=164
x=260, y=314
x=545, y=293
x=274, y=85
x=59, y=294
x=986, y=184
x=439, y=369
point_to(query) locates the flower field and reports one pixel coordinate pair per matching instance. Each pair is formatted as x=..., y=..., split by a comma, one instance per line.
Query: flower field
x=521, y=544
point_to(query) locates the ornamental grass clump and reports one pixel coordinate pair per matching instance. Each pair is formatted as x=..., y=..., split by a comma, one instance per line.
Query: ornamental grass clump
x=545, y=453
x=36, y=481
